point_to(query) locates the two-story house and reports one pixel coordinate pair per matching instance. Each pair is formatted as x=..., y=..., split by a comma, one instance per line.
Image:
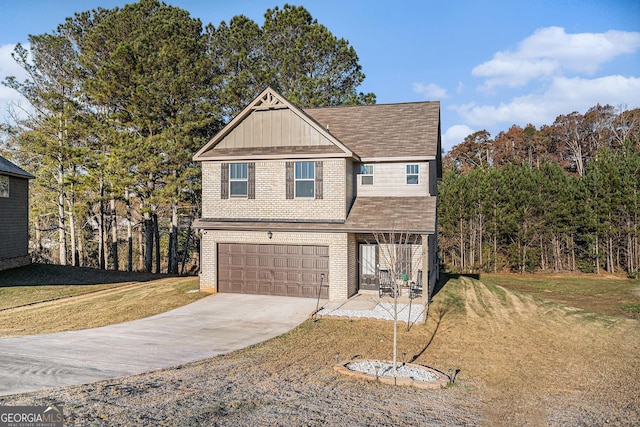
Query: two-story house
x=294, y=198
x=14, y=215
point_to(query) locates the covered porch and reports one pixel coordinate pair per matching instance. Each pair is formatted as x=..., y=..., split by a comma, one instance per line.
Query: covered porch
x=395, y=246
x=393, y=263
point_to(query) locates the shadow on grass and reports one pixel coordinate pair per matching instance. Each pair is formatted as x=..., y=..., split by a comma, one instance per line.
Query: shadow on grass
x=49, y=274
x=445, y=277
x=441, y=309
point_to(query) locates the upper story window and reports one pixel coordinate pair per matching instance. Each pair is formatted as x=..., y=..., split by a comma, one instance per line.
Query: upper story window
x=413, y=172
x=366, y=175
x=305, y=179
x=238, y=179
x=4, y=186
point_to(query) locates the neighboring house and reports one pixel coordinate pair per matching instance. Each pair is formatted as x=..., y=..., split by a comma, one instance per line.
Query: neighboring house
x=294, y=197
x=14, y=215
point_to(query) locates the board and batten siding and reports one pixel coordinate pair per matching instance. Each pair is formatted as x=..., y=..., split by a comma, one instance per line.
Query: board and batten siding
x=270, y=202
x=273, y=128
x=390, y=180
x=14, y=220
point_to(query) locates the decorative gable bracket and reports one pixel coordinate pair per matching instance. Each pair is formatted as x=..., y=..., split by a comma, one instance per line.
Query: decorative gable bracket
x=268, y=102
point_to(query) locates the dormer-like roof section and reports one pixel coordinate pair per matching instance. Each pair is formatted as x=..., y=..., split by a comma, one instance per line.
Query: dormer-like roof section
x=384, y=131
x=8, y=168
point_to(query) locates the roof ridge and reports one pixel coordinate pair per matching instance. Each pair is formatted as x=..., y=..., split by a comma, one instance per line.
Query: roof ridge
x=371, y=105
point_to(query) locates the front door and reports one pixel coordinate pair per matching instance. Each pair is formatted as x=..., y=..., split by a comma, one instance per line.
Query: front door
x=368, y=267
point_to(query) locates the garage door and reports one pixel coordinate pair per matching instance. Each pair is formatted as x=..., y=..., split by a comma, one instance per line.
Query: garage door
x=287, y=270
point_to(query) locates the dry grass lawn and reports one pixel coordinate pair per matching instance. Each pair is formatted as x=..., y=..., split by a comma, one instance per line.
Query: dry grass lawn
x=611, y=295
x=540, y=363
x=523, y=362
x=84, y=298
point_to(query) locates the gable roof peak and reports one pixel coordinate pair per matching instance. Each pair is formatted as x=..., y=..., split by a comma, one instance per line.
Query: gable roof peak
x=269, y=99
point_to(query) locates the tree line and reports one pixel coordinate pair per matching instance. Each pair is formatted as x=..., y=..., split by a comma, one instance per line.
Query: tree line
x=565, y=197
x=120, y=99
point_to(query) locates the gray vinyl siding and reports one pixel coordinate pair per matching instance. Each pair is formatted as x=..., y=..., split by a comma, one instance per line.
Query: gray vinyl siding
x=389, y=180
x=14, y=219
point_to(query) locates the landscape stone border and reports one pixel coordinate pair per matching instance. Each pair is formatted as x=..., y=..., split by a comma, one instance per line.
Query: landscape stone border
x=442, y=380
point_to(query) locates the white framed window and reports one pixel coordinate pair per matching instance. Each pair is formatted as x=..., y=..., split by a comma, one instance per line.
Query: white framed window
x=4, y=186
x=305, y=179
x=366, y=175
x=238, y=179
x=413, y=173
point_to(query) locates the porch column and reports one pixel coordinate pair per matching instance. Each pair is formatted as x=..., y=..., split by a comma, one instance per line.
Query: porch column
x=426, y=266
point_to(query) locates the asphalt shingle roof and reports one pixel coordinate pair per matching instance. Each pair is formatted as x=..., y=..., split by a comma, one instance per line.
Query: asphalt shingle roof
x=393, y=214
x=8, y=168
x=368, y=214
x=384, y=130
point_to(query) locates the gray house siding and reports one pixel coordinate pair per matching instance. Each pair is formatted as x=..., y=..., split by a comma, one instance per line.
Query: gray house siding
x=14, y=220
x=14, y=216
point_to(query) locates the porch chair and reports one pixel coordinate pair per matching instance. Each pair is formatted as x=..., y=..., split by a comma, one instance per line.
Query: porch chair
x=416, y=287
x=385, y=286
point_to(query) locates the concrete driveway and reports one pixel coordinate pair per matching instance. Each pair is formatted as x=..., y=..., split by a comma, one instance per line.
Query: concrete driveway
x=206, y=328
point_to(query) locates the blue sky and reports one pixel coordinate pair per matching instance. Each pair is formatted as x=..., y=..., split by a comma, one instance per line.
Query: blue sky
x=492, y=64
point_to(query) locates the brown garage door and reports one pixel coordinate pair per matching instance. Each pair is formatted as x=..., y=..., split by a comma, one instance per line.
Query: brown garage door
x=287, y=270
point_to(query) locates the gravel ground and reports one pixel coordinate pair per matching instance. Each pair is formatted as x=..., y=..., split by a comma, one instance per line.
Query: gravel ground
x=382, y=311
x=383, y=369
x=222, y=392
x=522, y=363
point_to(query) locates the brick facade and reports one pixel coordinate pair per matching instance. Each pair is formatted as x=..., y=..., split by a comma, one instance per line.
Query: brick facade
x=270, y=132
x=270, y=197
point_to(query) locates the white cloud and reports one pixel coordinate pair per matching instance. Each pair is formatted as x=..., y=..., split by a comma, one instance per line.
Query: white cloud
x=9, y=67
x=564, y=95
x=431, y=90
x=549, y=52
x=454, y=136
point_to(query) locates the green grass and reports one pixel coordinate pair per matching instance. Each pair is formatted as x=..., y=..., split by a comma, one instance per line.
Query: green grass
x=496, y=290
x=608, y=295
x=632, y=310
